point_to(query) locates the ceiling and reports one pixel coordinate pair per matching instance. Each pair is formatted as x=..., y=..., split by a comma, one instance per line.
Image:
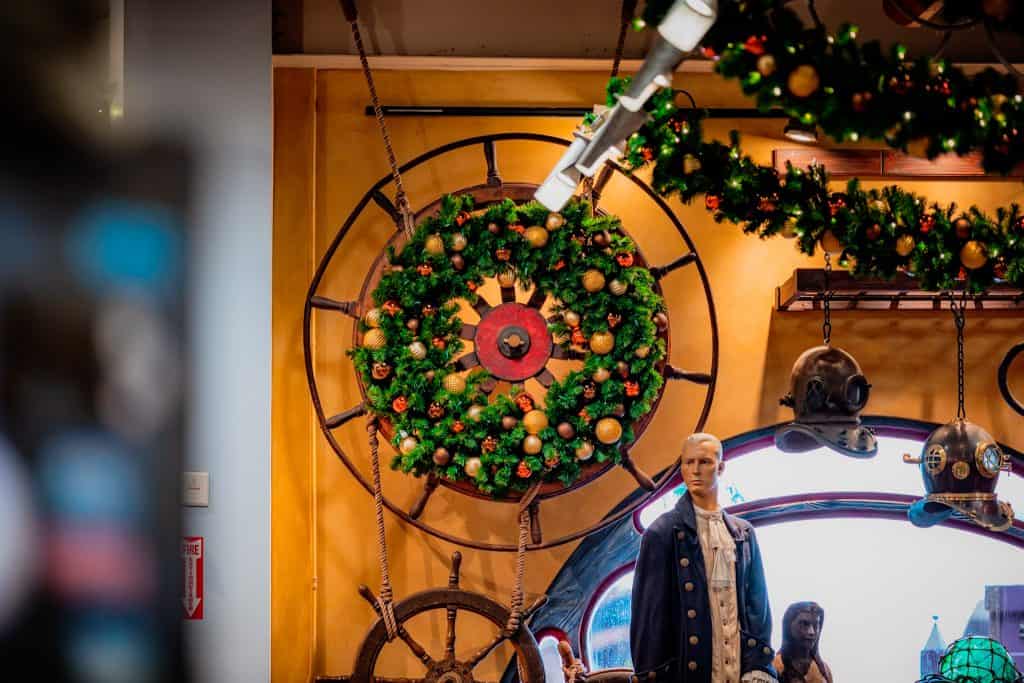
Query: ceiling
x=561, y=28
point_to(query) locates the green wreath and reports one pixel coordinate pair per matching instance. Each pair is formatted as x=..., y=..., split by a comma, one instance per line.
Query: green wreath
x=443, y=421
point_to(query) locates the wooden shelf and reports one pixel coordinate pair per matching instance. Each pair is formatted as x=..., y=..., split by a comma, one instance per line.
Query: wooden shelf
x=804, y=291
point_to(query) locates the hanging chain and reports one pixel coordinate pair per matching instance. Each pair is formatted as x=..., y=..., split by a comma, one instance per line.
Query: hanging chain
x=959, y=311
x=826, y=327
x=401, y=200
x=628, y=8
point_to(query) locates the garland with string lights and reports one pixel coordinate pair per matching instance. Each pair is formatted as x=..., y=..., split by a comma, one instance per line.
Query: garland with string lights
x=875, y=232
x=606, y=307
x=857, y=92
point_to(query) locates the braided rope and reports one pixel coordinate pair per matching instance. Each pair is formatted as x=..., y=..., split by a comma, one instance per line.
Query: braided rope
x=401, y=200
x=516, y=603
x=385, y=602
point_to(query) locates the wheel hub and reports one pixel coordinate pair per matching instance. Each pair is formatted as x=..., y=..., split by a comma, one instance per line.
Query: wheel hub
x=513, y=342
x=450, y=672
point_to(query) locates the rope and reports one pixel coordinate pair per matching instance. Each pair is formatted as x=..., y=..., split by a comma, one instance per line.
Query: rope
x=628, y=8
x=826, y=327
x=401, y=200
x=959, y=311
x=385, y=602
x=516, y=603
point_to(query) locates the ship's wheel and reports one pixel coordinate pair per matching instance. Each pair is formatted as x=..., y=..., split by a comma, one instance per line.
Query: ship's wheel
x=510, y=339
x=448, y=666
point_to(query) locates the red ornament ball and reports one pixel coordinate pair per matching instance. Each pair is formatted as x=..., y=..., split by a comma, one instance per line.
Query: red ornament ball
x=712, y=202
x=963, y=228
x=523, y=471
x=874, y=231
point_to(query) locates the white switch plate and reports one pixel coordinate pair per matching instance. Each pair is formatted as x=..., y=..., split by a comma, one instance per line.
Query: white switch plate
x=196, y=489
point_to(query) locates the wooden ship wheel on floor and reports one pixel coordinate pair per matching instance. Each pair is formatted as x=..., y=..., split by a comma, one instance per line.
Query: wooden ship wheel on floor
x=448, y=667
x=511, y=341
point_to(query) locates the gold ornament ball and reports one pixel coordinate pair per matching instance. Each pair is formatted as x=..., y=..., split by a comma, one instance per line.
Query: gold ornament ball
x=509, y=423
x=374, y=339
x=904, y=245
x=434, y=245
x=474, y=412
x=766, y=65
x=571, y=318
x=455, y=384
x=372, y=317
x=643, y=351
x=601, y=375
x=418, y=350
x=593, y=281
x=602, y=343
x=554, y=221
x=789, y=228
x=472, y=467
x=608, y=430
x=584, y=451
x=803, y=81
x=973, y=255
x=691, y=164
x=536, y=236
x=507, y=278
x=408, y=445
x=459, y=242
x=442, y=457
x=617, y=287
x=534, y=421
x=532, y=444
x=831, y=243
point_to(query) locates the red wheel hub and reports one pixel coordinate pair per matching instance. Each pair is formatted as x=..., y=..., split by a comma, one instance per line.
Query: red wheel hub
x=512, y=342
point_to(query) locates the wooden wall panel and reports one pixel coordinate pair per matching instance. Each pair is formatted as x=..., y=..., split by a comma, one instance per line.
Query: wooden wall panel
x=292, y=429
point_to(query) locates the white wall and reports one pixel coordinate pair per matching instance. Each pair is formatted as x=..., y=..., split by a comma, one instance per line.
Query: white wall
x=203, y=69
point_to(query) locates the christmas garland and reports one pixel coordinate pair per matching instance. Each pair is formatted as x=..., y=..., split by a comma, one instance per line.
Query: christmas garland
x=444, y=423
x=856, y=92
x=875, y=232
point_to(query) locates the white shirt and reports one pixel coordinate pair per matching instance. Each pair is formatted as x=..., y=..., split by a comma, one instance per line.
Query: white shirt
x=719, y=549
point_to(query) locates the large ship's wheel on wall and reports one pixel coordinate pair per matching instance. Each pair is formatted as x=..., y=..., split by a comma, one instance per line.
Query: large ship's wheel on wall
x=511, y=340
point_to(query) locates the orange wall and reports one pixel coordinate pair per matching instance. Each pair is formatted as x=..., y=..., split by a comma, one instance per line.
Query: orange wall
x=327, y=153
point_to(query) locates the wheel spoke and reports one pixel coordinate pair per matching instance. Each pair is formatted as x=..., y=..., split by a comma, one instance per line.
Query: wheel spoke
x=560, y=353
x=642, y=478
x=545, y=378
x=468, y=332
x=389, y=207
x=508, y=295
x=349, y=308
x=488, y=385
x=429, y=486
x=661, y=271
x=470, y=360
x=672, y=372
x=341, y=418
x=493, y=179
x=537, y=298
x=415, y=647
x=482, y=305
x=484, y=651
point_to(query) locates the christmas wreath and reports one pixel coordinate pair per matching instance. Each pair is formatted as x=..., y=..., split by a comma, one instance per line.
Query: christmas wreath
x=875, y=232
x=857, y=92
x=606, y=312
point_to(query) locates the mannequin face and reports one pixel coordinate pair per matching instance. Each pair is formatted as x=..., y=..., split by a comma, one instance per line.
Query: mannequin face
x=701, y=468
x=806, y=629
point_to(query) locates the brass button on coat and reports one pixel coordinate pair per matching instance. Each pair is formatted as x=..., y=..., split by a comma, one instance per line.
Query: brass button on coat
x=751, y=642
x=684, y=562
x=693, y=640
x=767, y=650
x=692, y=613
x=692, y=666
x=681, y=535
x=688, y=586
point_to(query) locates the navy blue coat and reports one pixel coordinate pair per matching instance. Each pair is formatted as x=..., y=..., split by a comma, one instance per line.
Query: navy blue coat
x=670, y=631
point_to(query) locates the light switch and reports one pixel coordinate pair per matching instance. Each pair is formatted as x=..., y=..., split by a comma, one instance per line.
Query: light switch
x=196, y=489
